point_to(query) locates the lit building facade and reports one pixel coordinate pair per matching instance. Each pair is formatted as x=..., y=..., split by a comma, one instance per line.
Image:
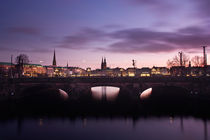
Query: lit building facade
x=34, y=70
x=144, y=72
x=160, y=71
x=6, y=69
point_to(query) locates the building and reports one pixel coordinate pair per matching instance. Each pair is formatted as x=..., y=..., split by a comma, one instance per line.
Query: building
x=54, y=60
x=34, y=70
x=103, y=64
x=195, y=71
x=77, y=72
x=178, y=71
x=160, y=71
x=144, y=72
x=188, y=71
x=119, y=72
x=135, y=72
x=131, y=72
x=6, y=69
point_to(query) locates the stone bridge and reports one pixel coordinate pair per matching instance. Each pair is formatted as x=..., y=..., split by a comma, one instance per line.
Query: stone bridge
x=200, y=84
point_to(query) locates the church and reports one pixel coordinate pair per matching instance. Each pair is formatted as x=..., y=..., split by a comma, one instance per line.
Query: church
x=103, y=64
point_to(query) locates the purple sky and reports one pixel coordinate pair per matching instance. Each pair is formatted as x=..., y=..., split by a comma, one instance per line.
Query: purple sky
x=82, y=31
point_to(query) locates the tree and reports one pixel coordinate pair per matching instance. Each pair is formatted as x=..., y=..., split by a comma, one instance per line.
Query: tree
x=21, y=60
x=178, y=60
x=197, y=61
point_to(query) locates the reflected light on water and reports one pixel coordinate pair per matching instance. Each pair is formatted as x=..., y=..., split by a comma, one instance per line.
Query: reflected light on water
x=40, y=122
x=108, y=93
x=146, y=94
x=63, y=94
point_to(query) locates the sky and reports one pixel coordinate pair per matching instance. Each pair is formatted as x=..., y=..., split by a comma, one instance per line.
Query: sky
x=84, y=31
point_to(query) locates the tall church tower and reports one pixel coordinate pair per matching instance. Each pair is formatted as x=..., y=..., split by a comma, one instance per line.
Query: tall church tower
x=103, y=64
x=54, y=59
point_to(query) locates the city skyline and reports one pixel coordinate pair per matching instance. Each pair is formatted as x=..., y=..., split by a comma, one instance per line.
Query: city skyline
x=82, y=32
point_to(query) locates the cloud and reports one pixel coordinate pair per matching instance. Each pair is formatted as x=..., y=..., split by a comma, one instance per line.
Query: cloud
x=139, y=35
x=195, y=8
x=160, y=7
x=202, y=7
x=24, y=30
x=25, y=50
x=129, y=47
x=193, y=30
x=113, y=26
x=155, y=3
x=83, y=38
x=25, y=39
x=138, y=40
x=37, y=50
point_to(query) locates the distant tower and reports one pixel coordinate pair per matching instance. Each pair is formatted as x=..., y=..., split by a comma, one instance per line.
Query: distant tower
x=134, y=63
x=54, y=59
x=105, y=63
x=204, y=56
x=181, y=55
x=102, y=63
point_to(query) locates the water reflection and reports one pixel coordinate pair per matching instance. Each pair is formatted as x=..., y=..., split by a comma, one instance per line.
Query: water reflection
x=105, y=128
x=182, y=124
x=40, y=122
x=107, y=93
x=205, y=130
x=146, y=94
x=63, y=94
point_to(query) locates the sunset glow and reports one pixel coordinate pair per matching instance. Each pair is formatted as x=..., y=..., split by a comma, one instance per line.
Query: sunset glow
x=82, y=32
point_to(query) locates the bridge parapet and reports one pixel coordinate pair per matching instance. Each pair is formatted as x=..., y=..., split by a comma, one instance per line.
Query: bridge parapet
x=140, y=83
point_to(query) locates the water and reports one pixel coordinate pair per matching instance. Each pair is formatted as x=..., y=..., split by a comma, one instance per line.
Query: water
x=103, y=113
x=163, y=128
x=108, y=93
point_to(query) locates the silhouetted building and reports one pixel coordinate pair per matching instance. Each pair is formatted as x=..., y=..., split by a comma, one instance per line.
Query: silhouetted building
x=178, y=71
x=119, y=72
x=208, y=70
x=54, y=59
x=144, y=72
x=160, y=71
x=195, y=71
x=103, y=64
x=5, y=69
x=204, y=56
x=131, y=72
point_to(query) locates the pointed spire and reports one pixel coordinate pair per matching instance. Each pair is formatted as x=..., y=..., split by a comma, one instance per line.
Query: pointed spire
x=104, y=67
x=102, y=63
x=67, y=64
x=54, y=59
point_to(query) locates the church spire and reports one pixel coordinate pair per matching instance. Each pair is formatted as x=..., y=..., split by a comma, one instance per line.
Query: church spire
x=54, y=59
x=102, y=63
x=105, y=63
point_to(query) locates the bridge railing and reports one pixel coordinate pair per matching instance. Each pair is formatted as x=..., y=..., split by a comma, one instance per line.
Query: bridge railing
x=106, y=79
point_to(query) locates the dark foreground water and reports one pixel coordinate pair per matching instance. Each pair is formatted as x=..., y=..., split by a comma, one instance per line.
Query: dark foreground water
x=105, y=113
x=164, y=128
